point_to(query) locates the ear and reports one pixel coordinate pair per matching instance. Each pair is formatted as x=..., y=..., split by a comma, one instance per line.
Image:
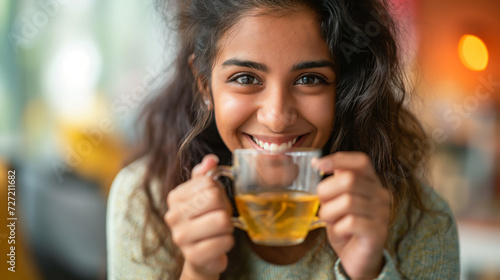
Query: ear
x=205, y=93
x=191, y=65
x=203, y=86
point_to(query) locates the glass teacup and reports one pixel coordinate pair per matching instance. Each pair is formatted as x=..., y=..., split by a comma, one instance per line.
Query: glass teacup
x=275, y=194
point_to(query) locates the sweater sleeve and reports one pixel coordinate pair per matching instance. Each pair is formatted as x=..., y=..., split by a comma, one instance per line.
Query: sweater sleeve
x=429, y=251
x=125, y=228
x=389, y=272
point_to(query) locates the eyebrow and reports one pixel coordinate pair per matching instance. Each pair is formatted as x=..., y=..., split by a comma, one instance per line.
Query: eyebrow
x=246, y=63
x=313, y=64
x=263, y=67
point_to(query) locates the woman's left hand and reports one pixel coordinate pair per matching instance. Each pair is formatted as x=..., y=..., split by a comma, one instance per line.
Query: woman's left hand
x=356, y=208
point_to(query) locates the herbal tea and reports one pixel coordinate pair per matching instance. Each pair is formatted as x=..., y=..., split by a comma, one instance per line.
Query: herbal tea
x=277, y=217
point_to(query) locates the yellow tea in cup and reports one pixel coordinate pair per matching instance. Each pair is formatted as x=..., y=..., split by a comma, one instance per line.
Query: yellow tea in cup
x=281, y=217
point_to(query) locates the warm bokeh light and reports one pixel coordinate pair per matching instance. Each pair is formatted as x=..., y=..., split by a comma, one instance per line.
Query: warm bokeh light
x=473, y=52
x=71, y=76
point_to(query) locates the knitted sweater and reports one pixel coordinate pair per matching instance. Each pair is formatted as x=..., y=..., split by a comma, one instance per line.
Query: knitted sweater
x=430, y=251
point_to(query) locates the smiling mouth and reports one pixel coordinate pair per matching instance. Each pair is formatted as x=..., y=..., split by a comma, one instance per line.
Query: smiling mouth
x=275, y=147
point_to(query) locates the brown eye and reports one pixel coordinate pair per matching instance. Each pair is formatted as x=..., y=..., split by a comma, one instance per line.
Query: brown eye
x=310, y=80
x=245, y=80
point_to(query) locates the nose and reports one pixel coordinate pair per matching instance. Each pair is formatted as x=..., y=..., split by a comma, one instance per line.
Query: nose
x=278, y=109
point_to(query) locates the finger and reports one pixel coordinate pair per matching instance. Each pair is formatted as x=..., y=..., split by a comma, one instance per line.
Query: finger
x=209, y=199
x=355, y=161
x=218, y=264
x=346, y=182
x=352, y=225
x=210, y=270
x=203, y=253
x=208, y=163
x=189, y=189
x=215, y=223
x=348, y=204
x=197, y=183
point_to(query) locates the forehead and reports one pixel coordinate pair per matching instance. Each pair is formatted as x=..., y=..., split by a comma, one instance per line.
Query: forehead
x=274, y=37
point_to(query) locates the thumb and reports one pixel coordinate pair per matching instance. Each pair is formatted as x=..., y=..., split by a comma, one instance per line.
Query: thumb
x=208, y=163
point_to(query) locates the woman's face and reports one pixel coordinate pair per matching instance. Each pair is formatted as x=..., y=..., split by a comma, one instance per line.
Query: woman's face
x=273, y=83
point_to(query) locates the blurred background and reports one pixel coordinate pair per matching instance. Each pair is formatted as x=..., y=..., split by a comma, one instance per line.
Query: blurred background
x=74, y=73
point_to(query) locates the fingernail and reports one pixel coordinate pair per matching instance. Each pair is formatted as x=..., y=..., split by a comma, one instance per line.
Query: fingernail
x=212, y=156
x=314, y=161
x=196, y=168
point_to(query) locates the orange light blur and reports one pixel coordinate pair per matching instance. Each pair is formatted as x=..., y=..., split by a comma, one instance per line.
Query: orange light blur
x=473, y=52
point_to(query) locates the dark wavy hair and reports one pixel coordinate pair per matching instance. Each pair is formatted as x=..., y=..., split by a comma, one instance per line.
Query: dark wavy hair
x=370, y=115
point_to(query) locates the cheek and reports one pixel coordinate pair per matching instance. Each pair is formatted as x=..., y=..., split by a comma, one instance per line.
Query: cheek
x=326, y=117
x=231, y=113
x=320, y=114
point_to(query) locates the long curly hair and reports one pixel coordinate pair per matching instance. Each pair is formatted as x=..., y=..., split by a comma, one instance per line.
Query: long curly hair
x=370, y=113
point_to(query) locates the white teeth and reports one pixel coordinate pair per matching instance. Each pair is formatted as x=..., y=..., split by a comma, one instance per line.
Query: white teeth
x=283, y=147
x=273, y=147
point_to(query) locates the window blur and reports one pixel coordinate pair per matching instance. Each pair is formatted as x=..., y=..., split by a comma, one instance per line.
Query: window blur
x=73, y=74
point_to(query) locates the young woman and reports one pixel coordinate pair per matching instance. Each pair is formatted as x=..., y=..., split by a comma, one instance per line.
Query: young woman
x=253, y=73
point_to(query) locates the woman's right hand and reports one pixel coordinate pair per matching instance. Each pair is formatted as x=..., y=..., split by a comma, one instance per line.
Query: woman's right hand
x=199, y=218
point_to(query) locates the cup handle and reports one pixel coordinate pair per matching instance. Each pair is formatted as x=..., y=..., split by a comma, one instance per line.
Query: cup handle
x=316, y=223
x=227, y=171
x=239, y=223
x=221, y=171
